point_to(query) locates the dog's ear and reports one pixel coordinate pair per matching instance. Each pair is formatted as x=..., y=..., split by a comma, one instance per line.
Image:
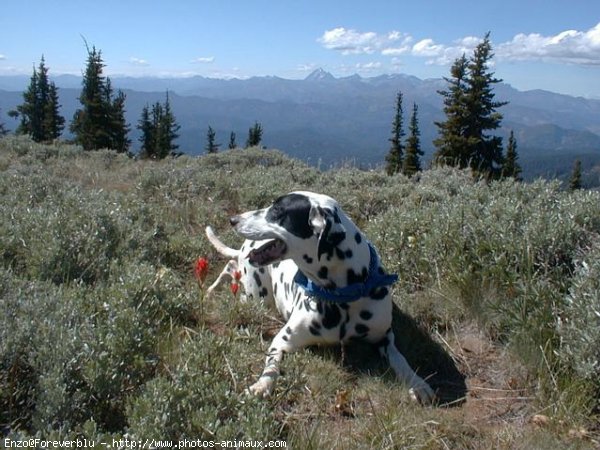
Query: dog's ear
x=327, y=225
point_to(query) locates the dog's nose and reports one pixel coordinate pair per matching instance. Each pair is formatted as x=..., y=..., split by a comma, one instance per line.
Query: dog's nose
x=234, y=220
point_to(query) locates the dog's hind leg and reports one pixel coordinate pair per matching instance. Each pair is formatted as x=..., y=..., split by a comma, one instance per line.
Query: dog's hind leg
x=419, y=390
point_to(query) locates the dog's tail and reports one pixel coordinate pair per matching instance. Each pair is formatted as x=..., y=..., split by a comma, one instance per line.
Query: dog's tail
x=221, y=248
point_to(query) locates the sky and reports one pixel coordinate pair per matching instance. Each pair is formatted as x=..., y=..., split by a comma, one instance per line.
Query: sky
x=538, y=44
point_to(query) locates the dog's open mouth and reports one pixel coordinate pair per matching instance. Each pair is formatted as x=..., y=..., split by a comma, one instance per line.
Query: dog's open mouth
x=268, y=253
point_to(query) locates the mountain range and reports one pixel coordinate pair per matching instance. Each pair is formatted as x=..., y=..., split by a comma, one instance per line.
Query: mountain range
x=326, y=120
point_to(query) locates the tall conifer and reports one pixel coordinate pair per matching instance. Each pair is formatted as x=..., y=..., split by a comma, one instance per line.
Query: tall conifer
x=39, y=112
x=396, y=153
x=511, y=167
x=100, y=123
x=413, y=152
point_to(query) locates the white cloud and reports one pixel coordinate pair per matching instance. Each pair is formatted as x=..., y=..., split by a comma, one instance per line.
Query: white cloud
x=204, y=60
x=2, y=57
x=348, y=41
x=138, y=61
x=369, y=66
x=571, y=46
x=310, y=67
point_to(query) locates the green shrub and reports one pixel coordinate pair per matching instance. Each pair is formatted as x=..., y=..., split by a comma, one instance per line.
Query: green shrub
x=579, y=322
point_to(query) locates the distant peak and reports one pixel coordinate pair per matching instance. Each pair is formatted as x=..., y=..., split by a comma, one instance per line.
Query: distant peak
x=319, y=75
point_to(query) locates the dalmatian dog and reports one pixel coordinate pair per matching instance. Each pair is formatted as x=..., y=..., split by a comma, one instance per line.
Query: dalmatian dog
x=304, y=255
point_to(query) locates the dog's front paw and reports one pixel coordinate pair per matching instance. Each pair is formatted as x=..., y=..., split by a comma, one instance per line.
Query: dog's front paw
x=262, y=388
x=422, y=393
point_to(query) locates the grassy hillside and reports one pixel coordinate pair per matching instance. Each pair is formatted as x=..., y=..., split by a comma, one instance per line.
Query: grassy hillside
x=104, y=332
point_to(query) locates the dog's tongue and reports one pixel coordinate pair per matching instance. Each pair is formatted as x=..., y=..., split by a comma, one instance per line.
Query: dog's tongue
x=267, y=253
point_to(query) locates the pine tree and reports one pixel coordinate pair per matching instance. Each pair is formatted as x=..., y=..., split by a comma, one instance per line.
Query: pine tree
x=100, y=123
x=53, y=123
x=168, y=130
x=232, y=143
x=396, y=153
x=158, y=131
x=412, y=163
x=145, y=125
x=119, y=126
x=575, y=180
x=485, y=149
x=511, y=167
x=254, y=135
x=211, y=146
x=471, y=113
x=3, y=130
x=451, y=144
x=39, y=111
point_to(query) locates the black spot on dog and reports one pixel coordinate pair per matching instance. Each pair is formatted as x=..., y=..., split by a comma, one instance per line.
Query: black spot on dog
x=378, y=293
x=314, y=331
x=276, y=265
x=320, y=307
x=252, y=244
x=336, y=216
x=340, y=254
x=354, y=277
x=358, y=238
x=245, y=271
x=342, y=331
x=286, y=287
x=281, y=278
x=291, y=211
x=256, y=277
x=263, y=292
x=285, y=338
x=261, y=270
x=361, y=328
x=308, y=259
x=365, y=315
x=323, y=272
x=348, y=253
x=275, y=289
x=332, y=316
x=315, y=324
x=288, y=330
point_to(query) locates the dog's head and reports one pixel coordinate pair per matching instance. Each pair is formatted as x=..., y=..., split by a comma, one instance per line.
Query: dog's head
x=303, y=226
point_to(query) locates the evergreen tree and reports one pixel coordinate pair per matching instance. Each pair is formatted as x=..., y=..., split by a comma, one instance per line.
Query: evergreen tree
x=452, y=144
x=211, y=146
x=471, y=113
x=146, y=127
x=254, y=135
x=396, y=153
x=39, y=111
x=412, y=163
x=485, y=149
x=118, y=125
x=168, y=130
x=511, y=167
x=3, y=130
x=575, y=180
x=100, y=123
x=232, y=143
x=158, y=131
x=53, y=123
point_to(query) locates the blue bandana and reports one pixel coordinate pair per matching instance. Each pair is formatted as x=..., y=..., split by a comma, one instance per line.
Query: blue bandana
x=352, y=292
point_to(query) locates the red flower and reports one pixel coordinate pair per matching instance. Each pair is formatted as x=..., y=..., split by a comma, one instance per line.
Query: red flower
x=237, y=275
x=201, y=269
x=234, y=288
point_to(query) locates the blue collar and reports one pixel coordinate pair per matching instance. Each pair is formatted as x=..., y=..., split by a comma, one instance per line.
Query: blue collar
x=352, y=292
